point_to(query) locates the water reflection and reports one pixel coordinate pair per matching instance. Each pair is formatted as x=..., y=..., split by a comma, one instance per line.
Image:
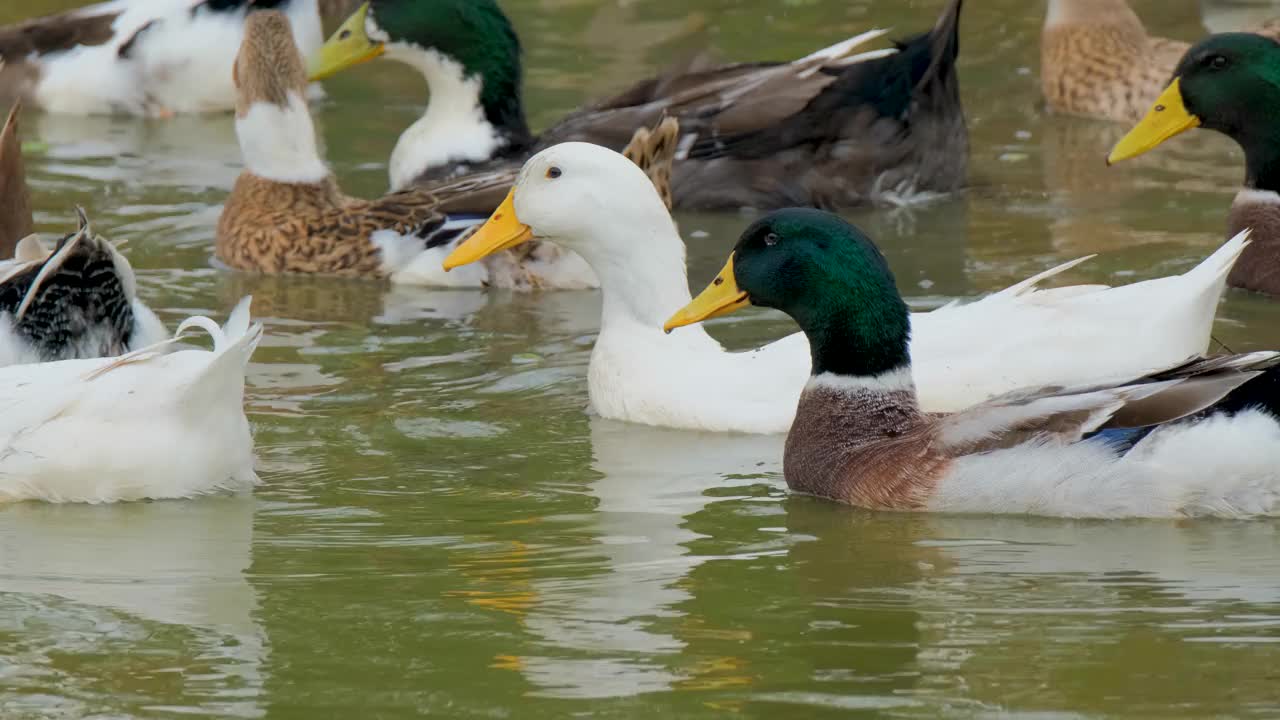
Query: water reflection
x=118, y=605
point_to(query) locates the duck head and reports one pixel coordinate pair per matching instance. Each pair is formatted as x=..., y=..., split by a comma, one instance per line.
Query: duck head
x=1229, y=83
x=829, y=277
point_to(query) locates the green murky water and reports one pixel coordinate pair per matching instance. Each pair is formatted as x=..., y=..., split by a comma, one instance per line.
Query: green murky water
x=444, y=531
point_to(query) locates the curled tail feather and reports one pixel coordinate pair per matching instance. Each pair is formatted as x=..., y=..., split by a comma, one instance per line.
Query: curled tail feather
x=653, y=151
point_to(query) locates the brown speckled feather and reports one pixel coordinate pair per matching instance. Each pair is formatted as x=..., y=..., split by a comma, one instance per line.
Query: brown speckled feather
x=15, y=201
x=1097, y=60
x=1258, y=268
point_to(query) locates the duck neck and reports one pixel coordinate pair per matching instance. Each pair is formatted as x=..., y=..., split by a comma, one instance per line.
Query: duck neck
x=642, y=272
x=1262, y=158
x=1091, y=12
x=857, y=333
x=474, y=114
x=278, y=143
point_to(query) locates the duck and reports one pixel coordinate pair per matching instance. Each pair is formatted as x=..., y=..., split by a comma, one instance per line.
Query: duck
x=156, y=423
x=1199, y=438
x=595, y=202
x=1098, y=60
x=287, y=214
x=1224, y=83
x=148, y=58
x=76, y=300
x=841, y=127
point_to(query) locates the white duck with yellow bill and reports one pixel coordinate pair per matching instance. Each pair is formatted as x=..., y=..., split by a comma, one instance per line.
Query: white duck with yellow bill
x=591, y=200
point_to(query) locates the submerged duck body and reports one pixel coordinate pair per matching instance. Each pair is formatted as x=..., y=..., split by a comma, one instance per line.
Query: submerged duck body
x=1229, y=83
x=136, y=57
x=151, y=424
x=591, y=200
x=839, y=127
x=1197, y=439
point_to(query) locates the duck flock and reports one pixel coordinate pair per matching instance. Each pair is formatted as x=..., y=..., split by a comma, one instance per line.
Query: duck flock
x=987, y=406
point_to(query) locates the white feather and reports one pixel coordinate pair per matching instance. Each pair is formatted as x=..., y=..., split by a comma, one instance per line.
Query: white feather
x=279, y=143
x=149, y=424
x=1225, y=466
x=180, y=64
x=606, y=210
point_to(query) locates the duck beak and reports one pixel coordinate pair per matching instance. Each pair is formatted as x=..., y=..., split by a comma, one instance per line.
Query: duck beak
x=501, y=231
x=721, y=297
x=1167, y=118
x=349, y=45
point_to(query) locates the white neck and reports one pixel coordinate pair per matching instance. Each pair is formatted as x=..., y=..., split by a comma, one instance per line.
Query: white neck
x=1253, y=196
x=453, y=128
x=280, y=143
x=892, y=381
x=642, y=272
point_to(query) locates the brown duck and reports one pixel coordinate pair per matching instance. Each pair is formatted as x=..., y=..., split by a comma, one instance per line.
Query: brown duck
x=286, y=213
x=1097, y=59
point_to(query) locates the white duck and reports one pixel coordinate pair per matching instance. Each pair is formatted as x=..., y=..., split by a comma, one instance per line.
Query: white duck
x=596, y=203
x=149, y=424
x=137, y=57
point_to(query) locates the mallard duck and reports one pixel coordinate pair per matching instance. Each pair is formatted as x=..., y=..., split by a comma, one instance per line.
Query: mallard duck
x=286, y=212
x=76, y=300
x=136, y=57
x=838, y=127
x=149, y=424
x=1097, y=59
x=1225, y=83
x=593, y=201
x=1199, y=438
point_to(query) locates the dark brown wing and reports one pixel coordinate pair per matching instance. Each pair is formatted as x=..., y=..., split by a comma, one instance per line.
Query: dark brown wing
x=40, y=36
x=15, y=200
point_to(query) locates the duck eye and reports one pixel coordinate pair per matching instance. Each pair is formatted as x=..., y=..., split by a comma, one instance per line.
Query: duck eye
x=553, y=172
x=344, y=34
x=1217, y=62
x=771, y=239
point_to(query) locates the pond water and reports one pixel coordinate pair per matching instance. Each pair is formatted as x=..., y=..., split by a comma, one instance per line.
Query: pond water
x=445, y=531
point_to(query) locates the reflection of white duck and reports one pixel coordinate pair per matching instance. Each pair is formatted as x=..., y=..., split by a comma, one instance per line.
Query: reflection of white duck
x=127, y=568
x=599, y=629
x=136, y=57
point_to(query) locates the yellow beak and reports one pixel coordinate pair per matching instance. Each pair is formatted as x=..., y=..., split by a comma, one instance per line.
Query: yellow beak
x=721, y=297
x=1167, y=118
x=501, y=231
x=349, y=45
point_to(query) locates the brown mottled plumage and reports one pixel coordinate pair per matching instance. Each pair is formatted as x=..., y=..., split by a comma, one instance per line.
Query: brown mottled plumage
x=1259, y=266
x=313, y=227
x=15, y=202
x=1097, y=59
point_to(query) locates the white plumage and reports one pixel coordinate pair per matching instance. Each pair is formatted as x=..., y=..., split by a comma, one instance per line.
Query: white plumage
x=602, y=207
x=179, y=59
x=150, y=424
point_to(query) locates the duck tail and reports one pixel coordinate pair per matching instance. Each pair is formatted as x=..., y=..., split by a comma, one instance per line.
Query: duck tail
x=15, y=200
x=653, y=151
x=943, y=42
x=73, y=302
x=1212, y=272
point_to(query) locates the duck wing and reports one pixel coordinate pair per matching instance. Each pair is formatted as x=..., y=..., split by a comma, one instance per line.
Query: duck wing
x=15, y=200
x=1200, y=386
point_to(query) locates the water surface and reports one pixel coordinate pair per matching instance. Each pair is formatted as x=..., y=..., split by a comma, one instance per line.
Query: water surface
x=445, y=531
